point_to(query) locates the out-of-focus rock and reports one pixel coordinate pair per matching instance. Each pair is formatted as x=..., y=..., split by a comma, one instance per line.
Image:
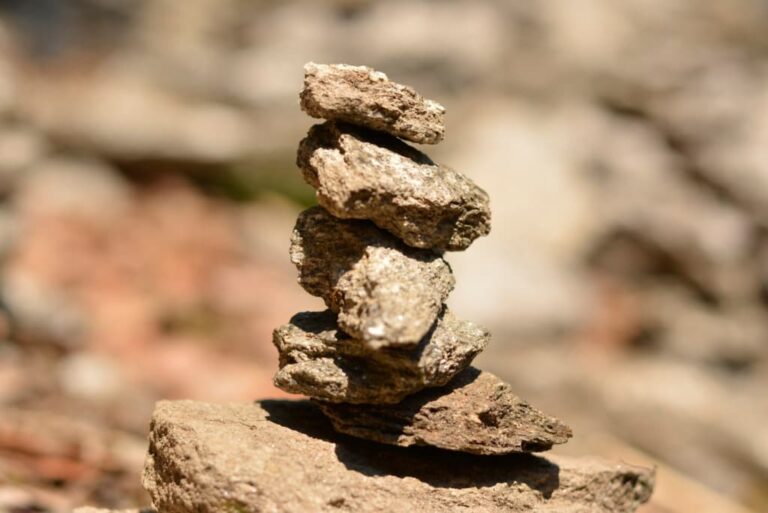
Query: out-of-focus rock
x=737, y=105
x=649, y=197
x=290, y=460
x=365, y=97
x=21, y=148
x=476, y=413
x=529, y=159
x=108, y=109
x=731, y=336
x=428, y=43
x=91, y=377
x=62, y=447
x=8, y=231
x=318, y=360
x=264, y=225
x=386, y=293
x=361, y=174
x=8, y=72
x=41, y=310
x=708, y=408
x=86, y=189
x=58, y=193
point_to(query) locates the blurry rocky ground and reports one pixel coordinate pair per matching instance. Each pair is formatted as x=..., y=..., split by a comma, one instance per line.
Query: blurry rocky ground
x=147, y=190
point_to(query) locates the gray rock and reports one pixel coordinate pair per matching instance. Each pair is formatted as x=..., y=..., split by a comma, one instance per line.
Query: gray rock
x=360, y=174
x=362, y=96
x=477, y=413
x=318, y=360
x=283, y=456
x=386, y=293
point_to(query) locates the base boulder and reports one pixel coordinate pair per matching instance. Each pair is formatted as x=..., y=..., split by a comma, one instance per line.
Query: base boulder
x=284, y=456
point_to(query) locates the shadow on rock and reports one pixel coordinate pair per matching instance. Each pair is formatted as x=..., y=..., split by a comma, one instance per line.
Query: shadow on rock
x=436, y=467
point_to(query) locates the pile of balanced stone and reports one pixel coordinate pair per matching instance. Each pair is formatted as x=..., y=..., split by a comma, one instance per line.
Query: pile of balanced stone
x=387, y=362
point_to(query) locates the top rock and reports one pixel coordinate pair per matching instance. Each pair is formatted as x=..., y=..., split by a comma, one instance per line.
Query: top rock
x=363, y=96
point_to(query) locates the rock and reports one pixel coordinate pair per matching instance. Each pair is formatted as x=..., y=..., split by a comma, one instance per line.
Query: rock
x=318, y=360
x=386, y=293
x=650, y=203
x=21, y=148
x=362, y=96
x=283, y=456
x=360, y=174
x=730, y=336
x=548, y=217
x=477, y=413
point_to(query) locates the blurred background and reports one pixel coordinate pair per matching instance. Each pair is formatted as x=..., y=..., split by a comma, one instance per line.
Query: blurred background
x=148, y=190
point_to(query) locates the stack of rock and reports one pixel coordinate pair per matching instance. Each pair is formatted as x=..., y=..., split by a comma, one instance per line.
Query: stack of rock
x=387, y=361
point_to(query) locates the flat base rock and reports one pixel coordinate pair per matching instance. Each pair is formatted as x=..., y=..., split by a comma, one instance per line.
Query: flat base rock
x=283, y=456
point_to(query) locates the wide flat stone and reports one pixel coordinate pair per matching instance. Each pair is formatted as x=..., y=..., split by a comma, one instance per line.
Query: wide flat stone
x=362, y=96
x=283, y=456
x=320, y=361
x=476, y=413
x=386, y=293
x=360, y=174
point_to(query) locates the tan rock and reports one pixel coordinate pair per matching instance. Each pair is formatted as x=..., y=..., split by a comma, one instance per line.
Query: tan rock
x=360, y=174
x=319, y=360
x=476, y=413
x=386, y=293
x=362, y=96
x=283, y=456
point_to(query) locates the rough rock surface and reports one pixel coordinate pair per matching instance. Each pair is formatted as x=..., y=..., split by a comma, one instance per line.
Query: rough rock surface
x=283, y=456
x=318, y=360
x=362, y=96
x=360, y=174
x=477, y=413
x=386, y=293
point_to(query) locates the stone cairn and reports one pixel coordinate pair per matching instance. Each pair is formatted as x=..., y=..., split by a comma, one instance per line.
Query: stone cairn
x=387, y=362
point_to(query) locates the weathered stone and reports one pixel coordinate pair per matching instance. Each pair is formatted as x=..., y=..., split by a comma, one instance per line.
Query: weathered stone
x=284, y=456
x=362, y=96
x=318, y=360
x=386, y=293
x=476, y=413
x=360, y=174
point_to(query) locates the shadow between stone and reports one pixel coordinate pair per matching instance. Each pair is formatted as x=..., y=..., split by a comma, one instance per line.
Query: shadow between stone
x=436, y=467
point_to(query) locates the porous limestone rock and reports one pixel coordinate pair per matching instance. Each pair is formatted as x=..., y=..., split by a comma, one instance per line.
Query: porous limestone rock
x=362, y=96
x=284, y=456
x=476, y=413
x=319, y=360
x=386, y=293
x=361, y=174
